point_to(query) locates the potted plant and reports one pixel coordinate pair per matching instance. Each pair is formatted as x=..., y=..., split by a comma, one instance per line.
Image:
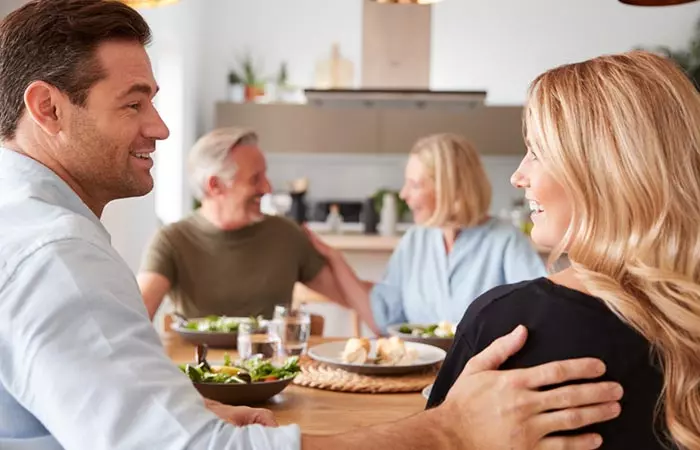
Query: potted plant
x=249, y=77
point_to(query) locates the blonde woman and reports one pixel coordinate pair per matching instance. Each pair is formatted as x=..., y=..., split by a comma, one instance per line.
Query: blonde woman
x=613, y=173
x=455, y=253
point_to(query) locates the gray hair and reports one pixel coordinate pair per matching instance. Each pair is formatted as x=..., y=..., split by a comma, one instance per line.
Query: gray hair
x=208, y=156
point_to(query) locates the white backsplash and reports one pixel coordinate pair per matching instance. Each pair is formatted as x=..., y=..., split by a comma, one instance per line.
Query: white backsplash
x=357, y=176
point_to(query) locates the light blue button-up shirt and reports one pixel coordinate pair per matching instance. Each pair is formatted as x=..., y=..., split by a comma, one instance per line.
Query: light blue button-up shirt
x=81, y=366
x=425, y=284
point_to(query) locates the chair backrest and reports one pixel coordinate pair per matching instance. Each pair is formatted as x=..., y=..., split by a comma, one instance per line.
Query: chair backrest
x=317, y=324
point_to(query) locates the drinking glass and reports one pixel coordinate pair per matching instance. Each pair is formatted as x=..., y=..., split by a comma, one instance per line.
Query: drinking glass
x=295, y=327
x=259, y=339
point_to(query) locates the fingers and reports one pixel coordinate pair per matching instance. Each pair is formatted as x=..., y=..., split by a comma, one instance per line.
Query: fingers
x=498, y=352
x=583, y=442
x=571, y=419
x=265, y=417
x=560, y=371
x=579, y=395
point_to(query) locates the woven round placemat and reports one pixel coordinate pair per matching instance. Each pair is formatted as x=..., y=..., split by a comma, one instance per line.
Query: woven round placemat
x=320, y=376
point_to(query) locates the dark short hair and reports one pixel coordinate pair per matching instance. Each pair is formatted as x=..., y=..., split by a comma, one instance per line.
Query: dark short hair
x=55, y=41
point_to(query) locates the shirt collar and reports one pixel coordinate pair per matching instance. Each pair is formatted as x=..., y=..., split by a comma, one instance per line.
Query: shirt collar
x=21, y=170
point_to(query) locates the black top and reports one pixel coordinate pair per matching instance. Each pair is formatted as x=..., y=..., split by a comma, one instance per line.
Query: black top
x=562, y=324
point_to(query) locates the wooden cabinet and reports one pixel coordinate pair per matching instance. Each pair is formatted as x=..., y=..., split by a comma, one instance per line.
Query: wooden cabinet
x=310, y=129
x=492, y=130
x=304, y=129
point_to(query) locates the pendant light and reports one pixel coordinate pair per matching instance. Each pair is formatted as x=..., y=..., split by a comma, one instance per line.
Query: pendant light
x=655, y=2
x=407, y=2
x=148, y=3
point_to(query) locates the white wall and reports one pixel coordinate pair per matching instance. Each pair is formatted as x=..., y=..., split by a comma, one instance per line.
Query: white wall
x=300, y=32
x=501, y=45
x=7, y=6
x=496, y=45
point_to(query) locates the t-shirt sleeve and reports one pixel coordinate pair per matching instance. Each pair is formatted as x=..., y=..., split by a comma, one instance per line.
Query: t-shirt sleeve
x=310, y=260
x=472, y=336
x=455, y=361
x=160, y=257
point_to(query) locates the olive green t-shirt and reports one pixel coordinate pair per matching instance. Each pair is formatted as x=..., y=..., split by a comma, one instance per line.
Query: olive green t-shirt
x=239, y=273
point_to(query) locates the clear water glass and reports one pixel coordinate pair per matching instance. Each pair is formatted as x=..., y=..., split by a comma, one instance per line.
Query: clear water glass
x=295, y=328
x=259, y=339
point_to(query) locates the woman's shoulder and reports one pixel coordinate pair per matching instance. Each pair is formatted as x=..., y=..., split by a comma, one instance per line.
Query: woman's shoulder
x=501, y=297
x=563, y=322
x=417, y=235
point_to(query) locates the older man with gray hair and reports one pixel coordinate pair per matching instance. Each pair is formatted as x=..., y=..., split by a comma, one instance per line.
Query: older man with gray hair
x=227, y=258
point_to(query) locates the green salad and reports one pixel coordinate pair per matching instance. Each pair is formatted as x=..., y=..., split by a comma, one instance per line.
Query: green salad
x=217, y=324
x=440, y=330
x=254, y=370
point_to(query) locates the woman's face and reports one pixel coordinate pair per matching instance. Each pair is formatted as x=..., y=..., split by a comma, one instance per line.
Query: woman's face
x=418, y=191
x=550, y=206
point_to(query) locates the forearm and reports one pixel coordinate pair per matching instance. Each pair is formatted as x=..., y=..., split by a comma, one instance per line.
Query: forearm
x=419, y=432
x=153, y=288
x=355, y=291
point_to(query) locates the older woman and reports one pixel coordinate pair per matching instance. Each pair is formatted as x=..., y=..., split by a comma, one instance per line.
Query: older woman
x=455, y=253
x=613, y=165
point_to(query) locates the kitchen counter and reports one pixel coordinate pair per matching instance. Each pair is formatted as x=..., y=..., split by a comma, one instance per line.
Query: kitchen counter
x=352, y=238
x=361, y=242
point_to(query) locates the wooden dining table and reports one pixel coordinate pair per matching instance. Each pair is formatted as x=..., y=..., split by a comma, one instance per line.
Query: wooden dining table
x=317, y=411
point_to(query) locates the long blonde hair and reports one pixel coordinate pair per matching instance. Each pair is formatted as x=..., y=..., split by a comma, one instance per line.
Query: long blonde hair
x=462, y=188
x=621, y=134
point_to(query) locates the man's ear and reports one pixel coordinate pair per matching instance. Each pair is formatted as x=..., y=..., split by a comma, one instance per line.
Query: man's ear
x=214, y=186
x=43, y=103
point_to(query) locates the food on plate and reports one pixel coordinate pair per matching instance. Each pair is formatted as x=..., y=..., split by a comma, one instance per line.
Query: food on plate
x=389, y=352
x=217, y=324
x=356, y=351
x=443, y=329
x=254, y=370
x=393, y=352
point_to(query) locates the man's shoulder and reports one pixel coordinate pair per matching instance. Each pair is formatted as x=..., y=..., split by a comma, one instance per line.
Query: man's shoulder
x=282, y=227
x=281, y=222
x=22, y=234
x=187, y=228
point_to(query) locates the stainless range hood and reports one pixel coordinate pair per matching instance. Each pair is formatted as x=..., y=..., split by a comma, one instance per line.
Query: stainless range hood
x=396, y=56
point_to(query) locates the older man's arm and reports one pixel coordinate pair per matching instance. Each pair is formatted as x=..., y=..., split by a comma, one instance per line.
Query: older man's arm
x=325, y=284
x=154, y=287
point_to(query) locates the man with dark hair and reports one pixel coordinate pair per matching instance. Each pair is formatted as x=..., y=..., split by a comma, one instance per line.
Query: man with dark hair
x=81, y=365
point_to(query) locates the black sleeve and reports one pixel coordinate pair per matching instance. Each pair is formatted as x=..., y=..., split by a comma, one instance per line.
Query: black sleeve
x=460, y=352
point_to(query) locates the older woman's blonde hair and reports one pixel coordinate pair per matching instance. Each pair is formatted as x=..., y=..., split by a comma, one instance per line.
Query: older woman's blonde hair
x=462, y=188
x=621, y=134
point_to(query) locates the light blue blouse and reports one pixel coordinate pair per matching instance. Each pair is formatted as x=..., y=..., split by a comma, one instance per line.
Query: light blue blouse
x=425, y=284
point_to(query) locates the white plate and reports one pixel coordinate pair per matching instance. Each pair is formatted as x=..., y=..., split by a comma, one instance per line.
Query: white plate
x=330, y=354
x=426, y=391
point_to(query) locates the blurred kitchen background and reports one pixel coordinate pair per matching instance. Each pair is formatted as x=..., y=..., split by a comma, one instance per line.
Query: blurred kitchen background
x=252, y=63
